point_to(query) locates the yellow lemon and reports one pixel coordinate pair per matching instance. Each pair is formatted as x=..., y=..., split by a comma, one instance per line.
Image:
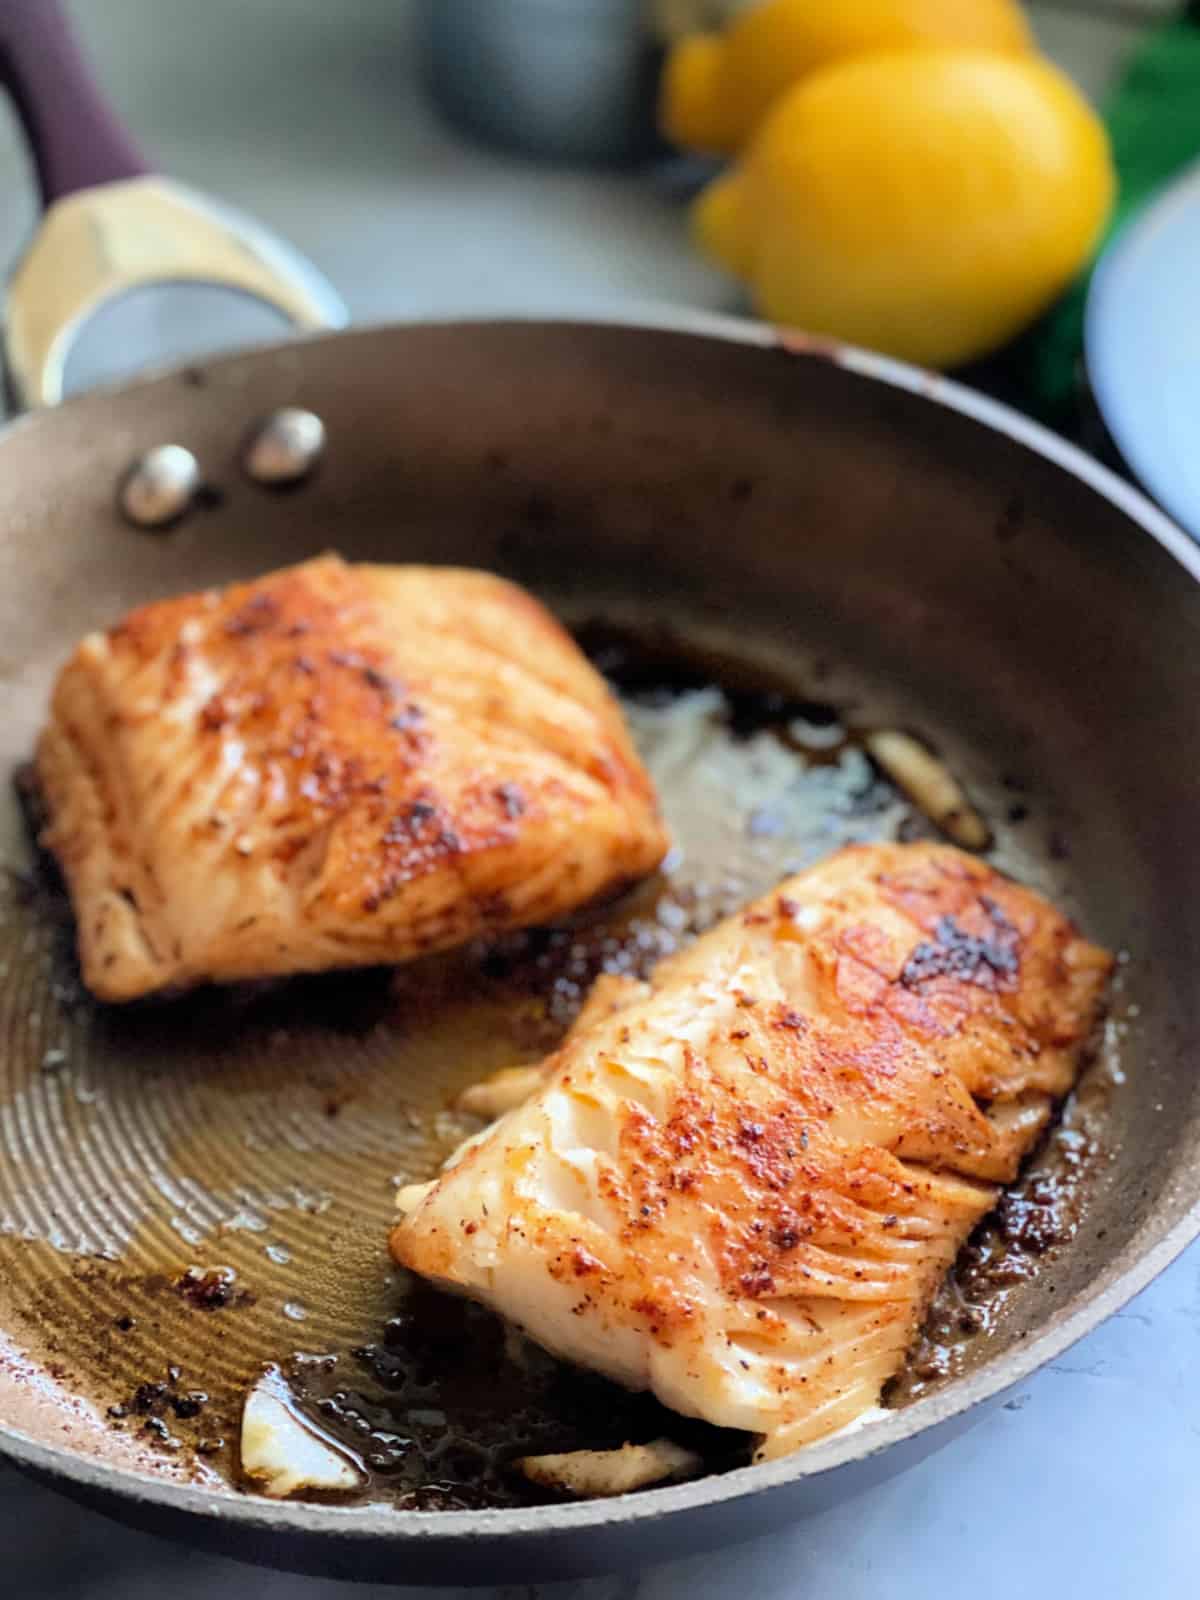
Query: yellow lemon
x=926, y=204
x=718, y=87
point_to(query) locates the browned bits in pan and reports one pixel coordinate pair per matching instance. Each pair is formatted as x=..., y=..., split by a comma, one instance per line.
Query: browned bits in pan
x=212, y=1289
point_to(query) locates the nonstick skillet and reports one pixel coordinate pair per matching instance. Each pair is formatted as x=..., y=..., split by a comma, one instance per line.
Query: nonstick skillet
x=773, y=548
x=772, y=558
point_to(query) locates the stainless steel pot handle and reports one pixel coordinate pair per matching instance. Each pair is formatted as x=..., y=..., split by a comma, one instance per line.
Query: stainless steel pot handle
x=110, y=224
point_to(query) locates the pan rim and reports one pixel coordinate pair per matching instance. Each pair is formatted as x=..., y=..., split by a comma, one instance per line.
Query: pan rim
x=368, y=1524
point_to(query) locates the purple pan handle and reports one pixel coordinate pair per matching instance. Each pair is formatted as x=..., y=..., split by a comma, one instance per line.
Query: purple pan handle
x=76, y=140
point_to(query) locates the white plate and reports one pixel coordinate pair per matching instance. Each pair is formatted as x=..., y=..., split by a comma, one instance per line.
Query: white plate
x=1142, y=343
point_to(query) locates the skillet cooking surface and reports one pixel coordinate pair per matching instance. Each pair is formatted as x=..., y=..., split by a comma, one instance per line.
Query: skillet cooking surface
x=862, y=556
x=196, y=1189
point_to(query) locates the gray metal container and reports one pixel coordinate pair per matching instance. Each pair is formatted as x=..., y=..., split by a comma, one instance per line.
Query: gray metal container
x=568, y=80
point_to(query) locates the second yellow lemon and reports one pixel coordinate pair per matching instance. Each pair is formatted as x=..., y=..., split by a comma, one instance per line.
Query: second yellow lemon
x=718, y=87
x=926, y=204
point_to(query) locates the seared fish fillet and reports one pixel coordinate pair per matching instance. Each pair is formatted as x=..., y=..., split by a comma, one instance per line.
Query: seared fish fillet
x=332, y=766
x=741, y=1189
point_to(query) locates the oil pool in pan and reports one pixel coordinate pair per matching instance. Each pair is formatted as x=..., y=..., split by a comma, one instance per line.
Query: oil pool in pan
x=196, y=1189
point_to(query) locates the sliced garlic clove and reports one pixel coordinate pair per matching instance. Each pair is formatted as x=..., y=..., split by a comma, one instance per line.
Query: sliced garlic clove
x=409, y=1197
x=930, y=787
x=283, y=1453
x=590, y=1474
x=509, y=1087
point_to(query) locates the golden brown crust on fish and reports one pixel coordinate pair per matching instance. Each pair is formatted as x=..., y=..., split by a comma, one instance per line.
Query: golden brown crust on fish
x=332, y=766
x=741, y=1190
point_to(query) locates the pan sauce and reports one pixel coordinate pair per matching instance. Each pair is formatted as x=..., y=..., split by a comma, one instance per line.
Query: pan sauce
x=191, y=1190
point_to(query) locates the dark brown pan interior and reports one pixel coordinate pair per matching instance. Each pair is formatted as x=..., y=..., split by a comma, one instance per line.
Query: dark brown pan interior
x=807, y=555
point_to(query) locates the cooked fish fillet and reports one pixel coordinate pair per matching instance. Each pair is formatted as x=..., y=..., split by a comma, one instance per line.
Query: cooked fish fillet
x=332, y=766
x=741, y=1190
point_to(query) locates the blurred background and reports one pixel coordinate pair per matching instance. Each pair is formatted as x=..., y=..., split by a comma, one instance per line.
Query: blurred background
x=480, y=197
x=799, y=160
x=478, y=157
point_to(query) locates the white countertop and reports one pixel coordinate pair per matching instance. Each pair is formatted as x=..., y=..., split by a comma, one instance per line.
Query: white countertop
x=305, y=112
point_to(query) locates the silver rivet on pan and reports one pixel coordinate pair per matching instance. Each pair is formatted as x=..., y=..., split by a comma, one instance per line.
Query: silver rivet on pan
x=285, y=447
x=160, y=486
